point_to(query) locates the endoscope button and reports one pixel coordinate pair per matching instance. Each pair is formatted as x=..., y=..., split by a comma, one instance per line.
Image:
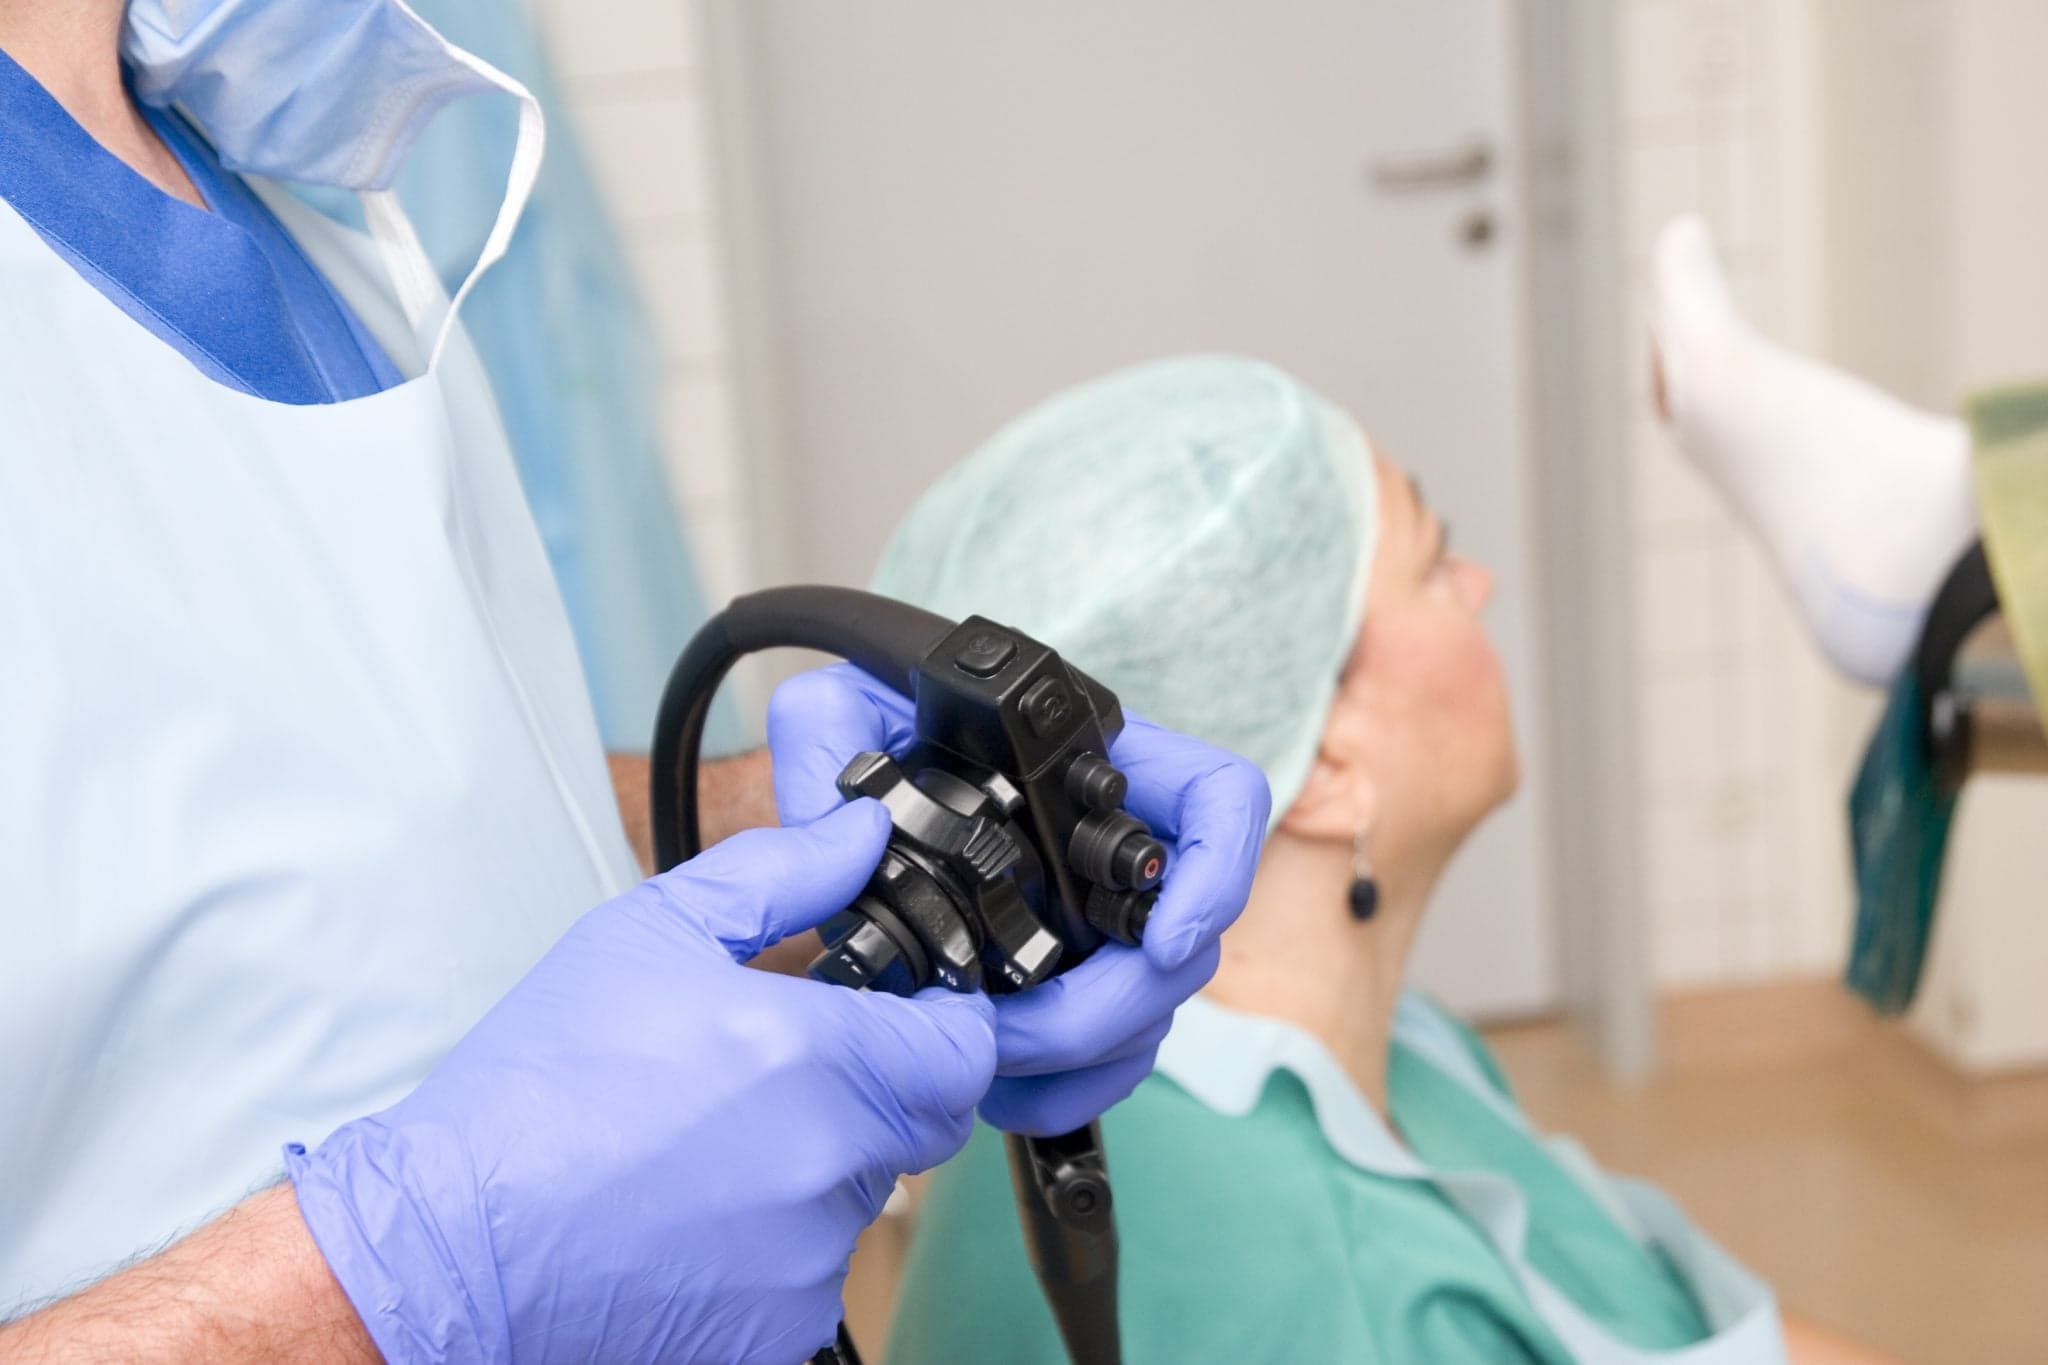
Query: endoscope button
x=985, y=653
x=1047, y=705
x=1091, y=782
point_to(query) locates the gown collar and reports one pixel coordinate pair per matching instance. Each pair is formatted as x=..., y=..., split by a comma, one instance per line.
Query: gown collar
x=167, y=259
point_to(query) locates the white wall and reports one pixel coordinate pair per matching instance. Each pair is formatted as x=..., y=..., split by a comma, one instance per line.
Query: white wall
x=1742, y=831
x=633, y=77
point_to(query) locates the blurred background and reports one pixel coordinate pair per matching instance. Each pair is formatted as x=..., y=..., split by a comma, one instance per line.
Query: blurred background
x=866, y=235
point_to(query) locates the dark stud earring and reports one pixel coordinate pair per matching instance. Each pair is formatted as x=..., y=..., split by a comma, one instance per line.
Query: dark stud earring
x=1365, y=892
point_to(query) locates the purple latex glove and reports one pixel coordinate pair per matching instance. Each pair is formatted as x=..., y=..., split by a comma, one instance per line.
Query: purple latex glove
x=646, y=1151
x=1073, y=1046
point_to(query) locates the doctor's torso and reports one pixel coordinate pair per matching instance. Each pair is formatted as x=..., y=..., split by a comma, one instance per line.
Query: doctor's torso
x=298, y=773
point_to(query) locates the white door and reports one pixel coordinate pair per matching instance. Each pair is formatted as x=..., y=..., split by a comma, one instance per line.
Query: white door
x=971, y=203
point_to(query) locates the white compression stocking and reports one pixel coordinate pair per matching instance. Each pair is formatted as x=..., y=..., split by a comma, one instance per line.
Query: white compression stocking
x=1863, y=502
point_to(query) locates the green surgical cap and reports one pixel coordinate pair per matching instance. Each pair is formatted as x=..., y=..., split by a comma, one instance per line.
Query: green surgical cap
x=1196, y=533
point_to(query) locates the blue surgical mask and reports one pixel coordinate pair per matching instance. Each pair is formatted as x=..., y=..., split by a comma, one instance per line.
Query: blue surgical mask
x=330, y=92
x=326, y=92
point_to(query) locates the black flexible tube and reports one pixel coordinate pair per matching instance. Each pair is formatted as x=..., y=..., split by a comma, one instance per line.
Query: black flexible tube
x=878, y=634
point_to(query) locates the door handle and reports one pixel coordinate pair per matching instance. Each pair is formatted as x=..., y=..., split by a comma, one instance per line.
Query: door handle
x=1464, y=165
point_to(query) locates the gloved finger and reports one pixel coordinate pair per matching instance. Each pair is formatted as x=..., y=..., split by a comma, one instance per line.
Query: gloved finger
x=960, y=1060
x=1213, y=806
x=1039, y=1106
x=762, y=885
x=817, y=722
x=1137, y=1039
x=1092, y=1013
x=936, y=1059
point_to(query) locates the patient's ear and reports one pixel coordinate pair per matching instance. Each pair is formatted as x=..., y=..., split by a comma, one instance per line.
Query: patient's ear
x=1336, y=801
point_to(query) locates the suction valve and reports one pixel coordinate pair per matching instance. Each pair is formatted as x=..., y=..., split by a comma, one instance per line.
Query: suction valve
x=1115, y=850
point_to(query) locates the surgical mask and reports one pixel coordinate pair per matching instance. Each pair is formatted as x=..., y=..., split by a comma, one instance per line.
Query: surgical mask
x=328, y=92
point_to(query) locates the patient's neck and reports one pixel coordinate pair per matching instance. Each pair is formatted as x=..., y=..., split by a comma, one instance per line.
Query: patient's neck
x=1297, y=954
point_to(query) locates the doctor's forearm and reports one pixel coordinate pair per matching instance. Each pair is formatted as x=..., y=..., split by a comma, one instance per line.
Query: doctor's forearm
x=732, y=794
x=249, y=1286
x=736, y=793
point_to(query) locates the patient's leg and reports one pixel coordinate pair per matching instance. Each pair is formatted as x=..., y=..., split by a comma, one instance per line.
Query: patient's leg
x=1863, y=502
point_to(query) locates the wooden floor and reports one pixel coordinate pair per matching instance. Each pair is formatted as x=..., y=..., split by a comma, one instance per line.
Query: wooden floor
x=1880, y=1195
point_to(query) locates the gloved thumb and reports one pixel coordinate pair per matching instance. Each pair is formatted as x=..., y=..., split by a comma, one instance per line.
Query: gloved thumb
x=938, y=1066
x=817, y=722
x=966, y=1021
x=762, y=885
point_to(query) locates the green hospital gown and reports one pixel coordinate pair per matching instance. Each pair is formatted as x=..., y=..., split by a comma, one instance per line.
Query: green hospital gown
x=1250, y=1238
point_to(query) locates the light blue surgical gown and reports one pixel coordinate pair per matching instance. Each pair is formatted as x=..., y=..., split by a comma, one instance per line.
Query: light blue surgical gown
x=560, y=328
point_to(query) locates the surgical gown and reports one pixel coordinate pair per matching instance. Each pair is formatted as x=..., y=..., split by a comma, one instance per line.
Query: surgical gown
x=561, y=325
x=225, y=286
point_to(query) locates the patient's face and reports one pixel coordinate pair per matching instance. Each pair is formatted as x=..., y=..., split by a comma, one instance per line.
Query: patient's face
x=1424, y=693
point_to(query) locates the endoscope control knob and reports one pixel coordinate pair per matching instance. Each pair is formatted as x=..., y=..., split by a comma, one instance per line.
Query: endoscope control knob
x=868, y=774
x=1003, y=794
x=1093, y=782
x=1020, y=950
x=990, y=850
x=1114, y=849
x=855, y=958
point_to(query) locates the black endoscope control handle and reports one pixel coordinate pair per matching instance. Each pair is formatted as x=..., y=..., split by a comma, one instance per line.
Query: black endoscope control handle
x=1014, y=726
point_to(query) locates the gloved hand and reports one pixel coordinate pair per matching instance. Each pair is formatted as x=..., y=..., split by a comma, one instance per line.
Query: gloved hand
x=1072, y=1047
x=646, y=1151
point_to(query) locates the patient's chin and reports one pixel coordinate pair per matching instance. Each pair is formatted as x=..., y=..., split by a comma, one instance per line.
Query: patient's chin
x=1510, y=774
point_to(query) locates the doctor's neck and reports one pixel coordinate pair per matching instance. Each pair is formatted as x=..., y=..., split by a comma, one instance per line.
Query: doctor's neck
x=73, y=49
x=1297, y=954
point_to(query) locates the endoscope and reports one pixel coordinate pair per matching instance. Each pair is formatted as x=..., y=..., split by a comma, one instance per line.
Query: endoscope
x=1010, y=859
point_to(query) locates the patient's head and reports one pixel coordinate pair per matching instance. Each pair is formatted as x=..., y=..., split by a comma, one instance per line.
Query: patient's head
x=1227, y=552
x=1417, y=746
